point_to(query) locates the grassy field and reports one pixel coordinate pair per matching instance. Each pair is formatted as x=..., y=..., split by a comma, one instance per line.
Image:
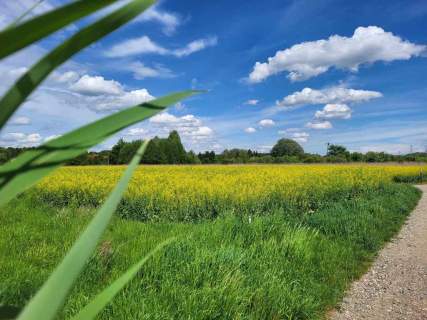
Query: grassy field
x=290, y=257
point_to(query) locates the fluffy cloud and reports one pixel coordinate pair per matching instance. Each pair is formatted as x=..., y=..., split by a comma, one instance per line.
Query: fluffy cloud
x=20, y=139
x=20, y=121
x=144, y=45
x=295, y=134
x=319, y=125
x=99, y=94
x=309, y=59
x=141, y=71
x=189, y=127
x=334, y=111
x=266, y=123
x=328, y=95
x=301, y=137
x=126, y=99
x=66, y=77
x=252, y=102
x=136, y=132
x=250, y=130
x=96, y=86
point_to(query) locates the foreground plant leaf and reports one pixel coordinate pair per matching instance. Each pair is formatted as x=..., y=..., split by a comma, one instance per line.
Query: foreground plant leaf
x=102, y=299
x=54, y=291
x=29, y=167
x=19, y=35
x=86, y=36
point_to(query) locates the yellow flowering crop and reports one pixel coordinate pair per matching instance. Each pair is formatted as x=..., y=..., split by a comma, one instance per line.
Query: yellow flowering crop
x=187, y=193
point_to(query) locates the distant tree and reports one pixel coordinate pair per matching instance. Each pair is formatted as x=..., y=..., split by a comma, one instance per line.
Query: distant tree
x=235, y=156
x=207, y=157
x=192, y=158
x=287, y=147
x=335, y=150
x=312, y=158
x=175, y=151
x=115, y=151
x=371, y=156
x=127, y=151
x=155, y=152
x=356, y=157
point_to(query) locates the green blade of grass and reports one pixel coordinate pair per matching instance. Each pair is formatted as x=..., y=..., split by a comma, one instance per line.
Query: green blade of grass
x=28, y=82
x=54, y=291
x=102, y=299
x=23, y=15
x=18, y=36
x=32, y=165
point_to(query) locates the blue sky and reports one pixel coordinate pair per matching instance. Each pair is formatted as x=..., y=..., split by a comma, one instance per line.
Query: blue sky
x=339, y=71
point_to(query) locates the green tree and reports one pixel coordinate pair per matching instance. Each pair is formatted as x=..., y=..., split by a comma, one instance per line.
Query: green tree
x=128, y=150
x=175, y=150
x=192, y=158
x=335, y=150
x=115, y=151
x=287, y=147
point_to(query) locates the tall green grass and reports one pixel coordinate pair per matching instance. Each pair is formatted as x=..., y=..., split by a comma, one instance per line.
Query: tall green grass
x=288, y=265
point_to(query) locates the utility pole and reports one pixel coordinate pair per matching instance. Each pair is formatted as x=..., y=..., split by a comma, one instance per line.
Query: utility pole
x=327, y=147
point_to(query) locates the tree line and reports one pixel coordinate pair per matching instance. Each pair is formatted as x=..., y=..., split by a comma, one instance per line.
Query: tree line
x=171, y=151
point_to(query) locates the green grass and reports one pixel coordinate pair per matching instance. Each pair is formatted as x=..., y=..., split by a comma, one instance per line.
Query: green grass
x=293, y=265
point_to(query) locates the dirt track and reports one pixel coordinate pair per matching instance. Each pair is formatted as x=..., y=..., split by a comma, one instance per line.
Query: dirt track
x=396, y=285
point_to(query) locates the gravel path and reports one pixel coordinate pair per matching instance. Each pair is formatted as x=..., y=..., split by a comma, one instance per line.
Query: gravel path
x=396, y=285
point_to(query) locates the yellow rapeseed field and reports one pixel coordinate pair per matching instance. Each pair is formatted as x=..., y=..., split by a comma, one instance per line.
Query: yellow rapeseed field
x=187, y=193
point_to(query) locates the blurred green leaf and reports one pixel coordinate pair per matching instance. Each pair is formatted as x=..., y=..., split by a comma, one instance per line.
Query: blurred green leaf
x=18, y=36
x=101, y=300
x=54, y=291
x=22, y=16
x=83, y=38
x=29, y=167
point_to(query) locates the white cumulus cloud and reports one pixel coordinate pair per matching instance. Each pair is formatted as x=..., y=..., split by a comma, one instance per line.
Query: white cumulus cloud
x=99, y=94
x=189, y=126
x=301, y=137
x=96, y=85
x=328, y=95
x=250, y=130
x=20, y=139
x=309, y=59
x=334, y=111
x=126, y=99
x=266, y=123
x=136, y=132
x=66, y=77
x=252, y=102
x=319, y=125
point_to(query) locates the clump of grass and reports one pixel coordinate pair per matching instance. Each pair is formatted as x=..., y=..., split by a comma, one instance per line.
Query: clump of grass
x=421, y=177
x=285, y=265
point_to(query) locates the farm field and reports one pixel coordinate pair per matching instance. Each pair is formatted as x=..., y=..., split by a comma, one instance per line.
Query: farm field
x=253, y=242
